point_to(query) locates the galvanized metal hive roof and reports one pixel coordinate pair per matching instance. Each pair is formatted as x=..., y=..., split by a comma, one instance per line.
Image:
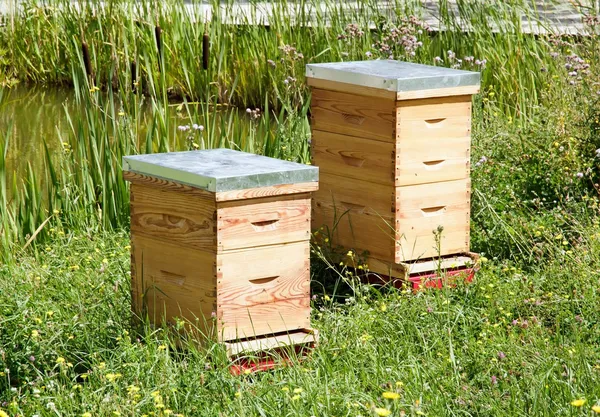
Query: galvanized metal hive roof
x=393, y=75
x=219, y=170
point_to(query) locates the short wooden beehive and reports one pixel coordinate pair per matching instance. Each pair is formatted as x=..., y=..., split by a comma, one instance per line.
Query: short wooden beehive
x=220, y=238
x=392, y=142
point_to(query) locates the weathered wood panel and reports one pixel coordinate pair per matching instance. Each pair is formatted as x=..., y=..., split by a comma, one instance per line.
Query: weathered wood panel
x=263, y=221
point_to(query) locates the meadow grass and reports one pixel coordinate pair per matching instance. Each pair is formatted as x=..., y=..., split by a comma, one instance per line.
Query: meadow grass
x=520, y=340
x=514, y=342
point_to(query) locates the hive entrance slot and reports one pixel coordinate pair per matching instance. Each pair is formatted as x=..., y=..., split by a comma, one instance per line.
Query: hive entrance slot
x=265, y=225
x=433, y=211
x=435, y=121
x=261, y=281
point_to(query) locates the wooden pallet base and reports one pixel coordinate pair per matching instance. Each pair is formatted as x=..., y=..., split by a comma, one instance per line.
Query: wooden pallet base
x=428, y=273
x=269, y=352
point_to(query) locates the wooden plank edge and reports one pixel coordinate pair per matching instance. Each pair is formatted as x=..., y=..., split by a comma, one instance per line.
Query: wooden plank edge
x=402, y=270
x=438, y=92
x=273, y=190
x=387, y=94
x=270, y=342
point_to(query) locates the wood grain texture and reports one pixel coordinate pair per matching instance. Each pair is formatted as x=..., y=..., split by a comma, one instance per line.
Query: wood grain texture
x=353, y=157
x=380, y=93
x=358, y=90
x=263, y=319
x=353, y=115
x=402, y=270
x=421, y=161
x=171, y=282
x=165, y=185
x=358, y=214
x=435, y=118
x=421, y=209
x=439, y=92
x=171, y=216
x=295, y=338
x=263, y=275
x=263, y=221
x=275, y=190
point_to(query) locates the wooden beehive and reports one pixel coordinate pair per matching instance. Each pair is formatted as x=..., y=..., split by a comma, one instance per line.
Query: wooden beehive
x=392, y=142
x=220, y=238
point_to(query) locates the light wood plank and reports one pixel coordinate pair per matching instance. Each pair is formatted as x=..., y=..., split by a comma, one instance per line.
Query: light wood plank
x=263, y=221
x=171, y=216
x=445, y=159
x=438, y=92
x=353, y=115
x=166, y=185
x=421, y=209
x=317, y=83
x=386, y=94
x=275, y=190
x=281, y=316
x=263, y=275
x=296, y=338
x=435, y=118
x=353, y=157
x=170, y=282
x=358, y=214
x=402, y=270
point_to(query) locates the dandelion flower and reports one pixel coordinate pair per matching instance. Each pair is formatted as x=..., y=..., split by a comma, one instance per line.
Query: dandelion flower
x=578, y=403
x=596, y=409
x=298, y=390
x=388, y=395
x=162, y=347
x=86, y=415
x=238, y=394
x=285, y=389
x=383, y=412
x=296, y=397
x=60, y=360
x=3, y=414
x=35, y=333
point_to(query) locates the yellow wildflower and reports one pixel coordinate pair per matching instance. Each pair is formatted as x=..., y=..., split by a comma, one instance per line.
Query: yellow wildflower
x=285, y=389
x=3, y=413
x=86, y=415
x=298, y=390
x=383, y=412
x=596, y=409
x=162, y=347
x=296, y=397
x=35, y=333
x=238, y=394
x=578, y=403
x=388, y=395
x=60, y=360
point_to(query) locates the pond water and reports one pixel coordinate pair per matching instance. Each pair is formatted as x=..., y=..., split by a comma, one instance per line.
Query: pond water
x=33, y=116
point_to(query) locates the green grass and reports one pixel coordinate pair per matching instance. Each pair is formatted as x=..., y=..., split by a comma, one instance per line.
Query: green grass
x=521, y=340
x=513, y=343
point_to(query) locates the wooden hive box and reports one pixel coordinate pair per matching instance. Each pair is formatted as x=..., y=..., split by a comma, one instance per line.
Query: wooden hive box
x=392, y=142
x=220, y=238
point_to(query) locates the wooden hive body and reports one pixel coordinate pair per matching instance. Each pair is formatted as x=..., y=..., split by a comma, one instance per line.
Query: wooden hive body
x=234, y=264
x=394, y=167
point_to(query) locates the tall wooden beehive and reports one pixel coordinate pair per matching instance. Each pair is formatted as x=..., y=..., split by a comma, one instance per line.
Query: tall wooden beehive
x=220, y=238
x=392, y=142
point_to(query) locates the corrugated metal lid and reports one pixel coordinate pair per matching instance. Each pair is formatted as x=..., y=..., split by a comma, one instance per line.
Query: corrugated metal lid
x=393, y=75
x=219, y=170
